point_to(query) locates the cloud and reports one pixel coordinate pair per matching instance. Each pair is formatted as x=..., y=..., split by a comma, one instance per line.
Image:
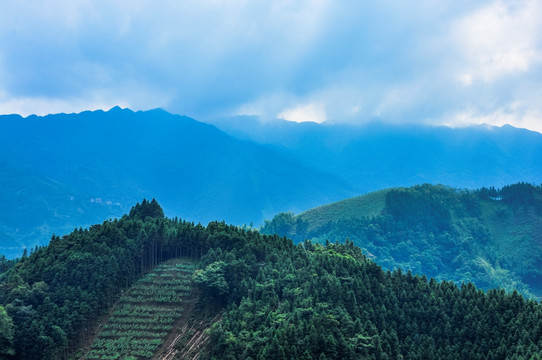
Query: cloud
x=43, y=106
x=207, y=54
x=342, y=61
x=515, y=114
x=303, y=113
x=93, y=99
x=500, y=39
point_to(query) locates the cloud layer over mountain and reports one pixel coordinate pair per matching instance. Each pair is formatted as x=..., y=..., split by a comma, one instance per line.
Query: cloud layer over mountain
x=446, y=62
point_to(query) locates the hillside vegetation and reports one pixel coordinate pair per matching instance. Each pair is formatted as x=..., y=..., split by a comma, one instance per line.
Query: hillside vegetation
x=490, y=237
x=55, y=295
x=268, y=298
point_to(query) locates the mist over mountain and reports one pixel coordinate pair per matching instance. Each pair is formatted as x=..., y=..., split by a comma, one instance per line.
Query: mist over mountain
x=377, y=155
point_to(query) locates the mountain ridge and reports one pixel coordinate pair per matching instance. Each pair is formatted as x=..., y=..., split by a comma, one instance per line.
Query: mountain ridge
x=391, y=155
x=115, y=157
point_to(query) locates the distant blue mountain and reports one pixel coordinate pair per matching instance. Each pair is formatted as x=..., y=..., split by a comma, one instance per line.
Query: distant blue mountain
x=377, y=155
x=63, y=171
x=67, y=170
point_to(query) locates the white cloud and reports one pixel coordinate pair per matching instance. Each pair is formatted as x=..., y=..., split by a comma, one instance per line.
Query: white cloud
x=337, y=102
x=465, y=79
x=303, y=59
x=305, y=112
x=400, y=98
x=500, y=39
x=133, y=97
x=267, y=106
x=515, y=114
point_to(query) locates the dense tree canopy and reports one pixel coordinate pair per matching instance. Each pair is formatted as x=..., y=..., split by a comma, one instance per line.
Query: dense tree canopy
x=55, y=294
x=276, y=299
x=331, y=302
x=6, y=334
x=490, y=237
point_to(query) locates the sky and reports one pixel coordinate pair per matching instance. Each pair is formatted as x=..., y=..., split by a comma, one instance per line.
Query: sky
x=453, y=62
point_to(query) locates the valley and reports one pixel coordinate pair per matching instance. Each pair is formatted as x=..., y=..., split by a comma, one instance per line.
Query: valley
x=282, y=180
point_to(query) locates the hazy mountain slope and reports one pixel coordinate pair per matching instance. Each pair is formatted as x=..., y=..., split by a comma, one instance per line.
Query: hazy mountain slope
x=69, y=170
x=492, y=238
x=98, y=163
x=377, y=155
x=33, y=206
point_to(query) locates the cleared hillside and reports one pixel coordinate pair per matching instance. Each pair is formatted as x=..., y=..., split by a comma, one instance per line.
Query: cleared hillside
x=146, y=314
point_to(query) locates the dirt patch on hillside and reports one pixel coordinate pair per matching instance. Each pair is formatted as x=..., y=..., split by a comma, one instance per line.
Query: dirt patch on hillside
x=189, y=336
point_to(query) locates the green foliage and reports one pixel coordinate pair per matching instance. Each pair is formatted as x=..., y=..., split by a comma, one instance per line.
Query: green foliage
x=283, y=223
x=311, y=301
x=6, y=334
x=212, y=279
x=55, y=294
x=488, y=236
x=522, y=195
x=147, y=209
x=425, y=204
x=6, y=264
x=296, y=227
x=278, y=300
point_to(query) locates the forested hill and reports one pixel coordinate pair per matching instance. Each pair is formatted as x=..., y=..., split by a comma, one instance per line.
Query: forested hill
x=491, y=237
x=275, y=299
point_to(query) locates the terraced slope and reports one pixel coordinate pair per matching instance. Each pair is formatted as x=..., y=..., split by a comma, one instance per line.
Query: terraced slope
x=144, y=317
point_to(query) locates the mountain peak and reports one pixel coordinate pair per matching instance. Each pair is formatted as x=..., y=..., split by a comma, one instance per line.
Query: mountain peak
x=118, y=109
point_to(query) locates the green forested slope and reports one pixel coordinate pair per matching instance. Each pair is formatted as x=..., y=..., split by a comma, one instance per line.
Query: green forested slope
x=368, y=205
x=314, y=302
x=490, y=237
x=277, y=300
x=54, y=295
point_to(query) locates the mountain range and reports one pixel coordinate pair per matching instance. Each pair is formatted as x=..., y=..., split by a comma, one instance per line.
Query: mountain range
x=64, y=171
x=377, y=155
x=69, y=170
